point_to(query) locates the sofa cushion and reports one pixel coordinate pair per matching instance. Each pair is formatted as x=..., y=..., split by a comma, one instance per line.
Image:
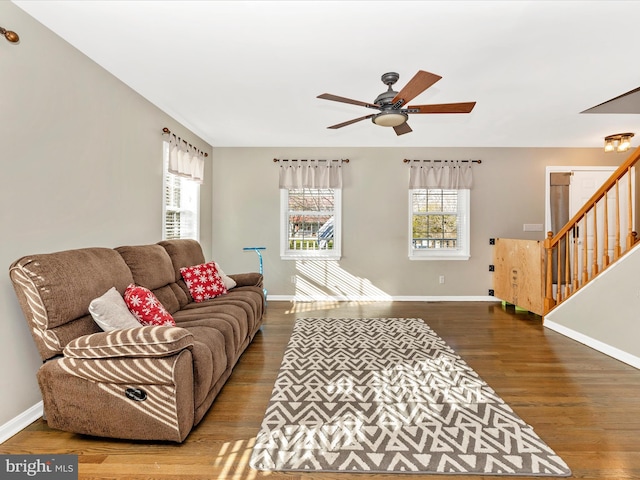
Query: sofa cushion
x=111, y=312
x=146, y=307
x=183, y=253
x=229, y=320
x=150, y=265
x=152, y=268
x=203, y=281
x=167, y=297
x=54, y=293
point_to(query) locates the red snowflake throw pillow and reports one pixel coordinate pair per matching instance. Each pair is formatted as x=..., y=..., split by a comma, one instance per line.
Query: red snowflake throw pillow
x=203, y=281
x=146, y=307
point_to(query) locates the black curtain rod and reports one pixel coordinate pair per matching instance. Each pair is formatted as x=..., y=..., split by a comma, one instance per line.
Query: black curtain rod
x=167, y=131
x=406, y=160
x=343, y=160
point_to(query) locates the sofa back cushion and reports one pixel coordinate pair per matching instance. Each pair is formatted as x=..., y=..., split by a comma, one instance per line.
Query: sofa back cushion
x=55, y=290
x=150, y=265
x=183, y=253
x=151, y=268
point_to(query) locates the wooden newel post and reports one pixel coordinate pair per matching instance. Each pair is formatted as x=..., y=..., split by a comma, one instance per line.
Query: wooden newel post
x=549, y=302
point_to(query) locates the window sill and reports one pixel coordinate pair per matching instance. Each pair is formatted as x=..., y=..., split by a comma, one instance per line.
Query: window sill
x=314, y=258
x=440, y=257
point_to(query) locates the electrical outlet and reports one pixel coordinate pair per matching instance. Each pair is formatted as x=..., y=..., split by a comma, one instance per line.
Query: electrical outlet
x=492, y=268
x=293, y=279
x=492, y=241
x=491, y=292
x=441, y=278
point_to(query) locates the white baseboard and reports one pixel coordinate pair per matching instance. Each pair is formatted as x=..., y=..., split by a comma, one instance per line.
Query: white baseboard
x=332, y=298
x=20, y=422
x=595, y=344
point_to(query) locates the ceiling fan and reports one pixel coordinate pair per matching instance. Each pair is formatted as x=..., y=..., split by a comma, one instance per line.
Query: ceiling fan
x=390, y=103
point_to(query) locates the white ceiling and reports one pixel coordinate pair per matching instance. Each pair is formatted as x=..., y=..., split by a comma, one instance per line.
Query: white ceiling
x=247, y=73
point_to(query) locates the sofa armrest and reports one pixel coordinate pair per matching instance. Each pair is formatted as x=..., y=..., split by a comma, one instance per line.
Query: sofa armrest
x=142, y=342
x=251, y=279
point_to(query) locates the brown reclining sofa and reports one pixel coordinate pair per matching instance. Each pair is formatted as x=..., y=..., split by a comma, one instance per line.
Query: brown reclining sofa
x=143, y=383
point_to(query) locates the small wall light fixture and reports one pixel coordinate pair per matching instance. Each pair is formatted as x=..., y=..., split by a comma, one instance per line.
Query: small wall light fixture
x=620, y=142
x=9, y=35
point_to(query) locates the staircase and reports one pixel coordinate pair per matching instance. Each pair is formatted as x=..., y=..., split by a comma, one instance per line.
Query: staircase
x=604, y=313
x=598, y=236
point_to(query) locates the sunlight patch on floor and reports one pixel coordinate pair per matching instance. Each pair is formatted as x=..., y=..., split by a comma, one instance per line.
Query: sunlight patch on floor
x=234, y=458
x=327, y=281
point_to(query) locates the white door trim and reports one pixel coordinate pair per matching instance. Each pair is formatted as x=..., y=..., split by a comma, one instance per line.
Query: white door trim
x=547, y=187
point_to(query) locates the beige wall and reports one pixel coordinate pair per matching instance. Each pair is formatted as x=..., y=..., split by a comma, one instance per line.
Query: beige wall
x=81, y=160
x=509, y=189
x=604, y=314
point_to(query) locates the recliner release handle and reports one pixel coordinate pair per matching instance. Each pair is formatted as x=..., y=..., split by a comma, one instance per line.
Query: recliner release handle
x=136, y=394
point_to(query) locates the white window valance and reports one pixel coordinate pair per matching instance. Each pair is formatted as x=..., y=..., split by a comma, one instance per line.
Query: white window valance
x=445, y=174
x=185, y=160
x=310, y=174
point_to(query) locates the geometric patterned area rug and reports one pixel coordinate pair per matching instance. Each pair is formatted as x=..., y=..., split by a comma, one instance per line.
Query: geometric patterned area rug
x=388, y=395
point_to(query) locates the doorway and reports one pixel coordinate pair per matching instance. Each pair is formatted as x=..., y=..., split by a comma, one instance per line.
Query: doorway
x=567, y=191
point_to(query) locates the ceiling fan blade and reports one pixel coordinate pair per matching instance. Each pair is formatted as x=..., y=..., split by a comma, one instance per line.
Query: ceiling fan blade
x=336, y=98
x=349, y=122
x=402, y=129
x=462, y=107
x=418, y=84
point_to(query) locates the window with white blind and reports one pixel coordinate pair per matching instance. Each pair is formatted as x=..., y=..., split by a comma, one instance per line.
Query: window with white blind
x=439, y=224
x=181, y=205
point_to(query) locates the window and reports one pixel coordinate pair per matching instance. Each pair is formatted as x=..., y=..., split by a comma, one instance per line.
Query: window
x=181, y=206
x=310, y=225
x=438, y=224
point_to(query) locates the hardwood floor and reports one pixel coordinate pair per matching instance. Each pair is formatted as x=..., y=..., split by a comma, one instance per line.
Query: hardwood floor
x=583, y=404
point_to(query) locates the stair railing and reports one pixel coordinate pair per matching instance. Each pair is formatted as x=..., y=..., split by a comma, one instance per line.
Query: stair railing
x=568, y=264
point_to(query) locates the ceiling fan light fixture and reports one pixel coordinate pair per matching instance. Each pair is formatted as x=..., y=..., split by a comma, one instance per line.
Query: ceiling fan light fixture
x=619, y=142
x=390, y=104
x=390, y=119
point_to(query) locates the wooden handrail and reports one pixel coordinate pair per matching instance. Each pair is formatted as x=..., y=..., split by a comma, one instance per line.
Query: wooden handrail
x=573, y=275
x=615, y=176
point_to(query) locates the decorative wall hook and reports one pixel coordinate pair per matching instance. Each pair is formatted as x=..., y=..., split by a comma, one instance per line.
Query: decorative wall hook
x=9, y=35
